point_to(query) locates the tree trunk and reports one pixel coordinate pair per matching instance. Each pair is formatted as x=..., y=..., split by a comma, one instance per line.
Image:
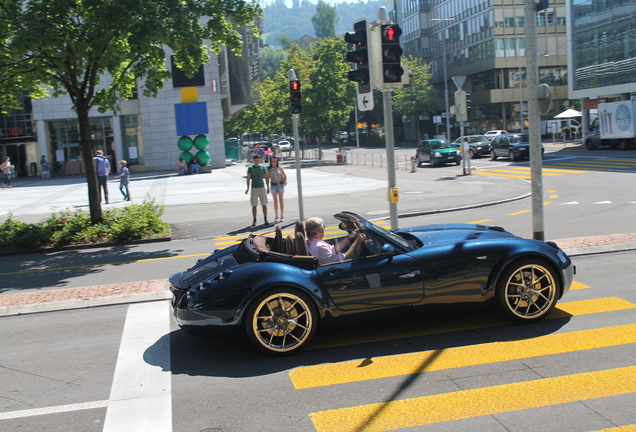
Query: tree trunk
x=94, y=201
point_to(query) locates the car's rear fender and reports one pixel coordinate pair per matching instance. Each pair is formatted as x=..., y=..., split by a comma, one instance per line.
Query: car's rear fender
x=275, y=276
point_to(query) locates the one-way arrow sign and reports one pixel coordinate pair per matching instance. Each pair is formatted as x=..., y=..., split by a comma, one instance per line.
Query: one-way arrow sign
x=365, y=102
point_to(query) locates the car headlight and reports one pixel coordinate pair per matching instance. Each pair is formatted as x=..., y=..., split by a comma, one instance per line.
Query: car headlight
x=437, y=154
x=477, y=148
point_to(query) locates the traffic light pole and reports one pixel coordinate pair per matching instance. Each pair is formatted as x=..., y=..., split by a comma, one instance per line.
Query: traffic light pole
x=390, y=153
x=301, y=211
x=532, y=71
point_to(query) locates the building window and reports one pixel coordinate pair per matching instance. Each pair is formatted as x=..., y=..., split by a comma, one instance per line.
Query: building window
x=521, y=21
x=510, y=22
x=64, y=138
x=132, y=139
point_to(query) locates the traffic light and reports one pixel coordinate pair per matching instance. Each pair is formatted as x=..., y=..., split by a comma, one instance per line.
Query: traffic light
x=461, y=100
x=295, y=98
x=392, y=70
x=360, y=56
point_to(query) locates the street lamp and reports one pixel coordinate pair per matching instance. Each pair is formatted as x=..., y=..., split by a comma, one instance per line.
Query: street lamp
x=447, y=113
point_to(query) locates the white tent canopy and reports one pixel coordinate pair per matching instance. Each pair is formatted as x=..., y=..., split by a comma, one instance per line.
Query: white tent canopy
x=568, y=114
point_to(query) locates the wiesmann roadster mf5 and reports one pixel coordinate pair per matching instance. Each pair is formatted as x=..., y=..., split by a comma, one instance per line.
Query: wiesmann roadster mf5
x=270, y=288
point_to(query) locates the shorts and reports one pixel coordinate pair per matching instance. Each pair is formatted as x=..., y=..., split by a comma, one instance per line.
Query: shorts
x=258, y=193
x=277, y=189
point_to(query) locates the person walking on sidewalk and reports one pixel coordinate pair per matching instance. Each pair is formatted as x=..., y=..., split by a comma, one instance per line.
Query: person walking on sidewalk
x=7, y=169
x=278, y=181
x=44, y=168
x=258, y=176
x=125, y=179
x=102, y=166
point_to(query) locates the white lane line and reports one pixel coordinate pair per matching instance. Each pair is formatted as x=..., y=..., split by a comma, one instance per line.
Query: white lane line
x=53, y=410
x=140, y=398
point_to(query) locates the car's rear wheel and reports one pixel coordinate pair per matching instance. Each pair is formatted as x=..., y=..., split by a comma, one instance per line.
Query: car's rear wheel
x=493, y=155
x=281, y=321
x=418, y=162
x=528, y=290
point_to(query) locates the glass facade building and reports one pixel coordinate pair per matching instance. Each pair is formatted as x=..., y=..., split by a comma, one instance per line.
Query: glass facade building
x=602, y=37
x=484, y=40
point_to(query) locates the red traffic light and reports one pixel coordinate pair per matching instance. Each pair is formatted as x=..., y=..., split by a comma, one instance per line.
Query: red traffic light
x=294, y=86
x=391, y=33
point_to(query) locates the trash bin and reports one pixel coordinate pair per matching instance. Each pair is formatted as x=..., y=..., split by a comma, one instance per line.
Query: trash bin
x=34, y=169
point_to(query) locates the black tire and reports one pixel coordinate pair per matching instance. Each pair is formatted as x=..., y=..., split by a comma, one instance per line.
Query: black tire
x=471, y=153
x=418, y=162
x=281, y=330
x=588, y=145
x=623, y=146
x=512, y=156
x=528, y=290
x=458, y=161
x=493, y=155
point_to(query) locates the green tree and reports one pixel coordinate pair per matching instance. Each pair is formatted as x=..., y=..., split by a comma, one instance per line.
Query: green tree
x=324, y=20
x=271, y=58
x=286, y=41
x=62, y=47
x=330, y=95
x=418, y=97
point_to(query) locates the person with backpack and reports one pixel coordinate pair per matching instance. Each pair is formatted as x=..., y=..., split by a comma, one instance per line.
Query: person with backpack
x=102, y=166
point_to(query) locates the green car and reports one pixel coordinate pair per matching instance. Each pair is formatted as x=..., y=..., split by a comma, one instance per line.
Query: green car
x=437, y=152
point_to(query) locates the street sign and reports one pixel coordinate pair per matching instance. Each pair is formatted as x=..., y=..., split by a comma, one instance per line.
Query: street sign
x=447, y=115
x=459, y=81
x=365, y=101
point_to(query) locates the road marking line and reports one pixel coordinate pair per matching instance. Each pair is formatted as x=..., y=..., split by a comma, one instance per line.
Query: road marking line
x=141, y=394
x=563, y=310
x=452, y=358
x=477, y=402
x=628, y=428
x=578, y=285
x=479, y=222
x=518, y=213
x=53, y=410
x=553, y=170
x=486, y=173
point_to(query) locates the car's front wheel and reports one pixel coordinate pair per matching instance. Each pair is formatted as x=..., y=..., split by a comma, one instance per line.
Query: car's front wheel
x=493, y=155
x=528, y=290
x=512, y=156
x=418, y=162
x=281, y=321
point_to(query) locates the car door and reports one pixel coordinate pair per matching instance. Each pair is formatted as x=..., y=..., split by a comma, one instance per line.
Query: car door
x=380, y=280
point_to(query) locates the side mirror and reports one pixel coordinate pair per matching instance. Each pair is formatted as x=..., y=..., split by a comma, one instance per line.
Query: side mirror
x=387, y=249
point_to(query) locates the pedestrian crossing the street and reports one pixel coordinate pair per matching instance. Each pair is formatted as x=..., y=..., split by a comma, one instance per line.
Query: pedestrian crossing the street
x=446, y=402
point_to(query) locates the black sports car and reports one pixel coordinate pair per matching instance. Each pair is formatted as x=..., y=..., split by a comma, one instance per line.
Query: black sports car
x=273, y=290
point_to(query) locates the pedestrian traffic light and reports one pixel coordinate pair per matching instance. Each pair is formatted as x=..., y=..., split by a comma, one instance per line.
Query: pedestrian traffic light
x=392, y=70
x=295, y=98
x=360, y=56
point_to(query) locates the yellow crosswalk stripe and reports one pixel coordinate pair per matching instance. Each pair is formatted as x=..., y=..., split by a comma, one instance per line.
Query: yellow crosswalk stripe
x=526, y=176
x=628, y=428
x=478, y=402
x=563, y=310
x=551, y=170
x=450, y=358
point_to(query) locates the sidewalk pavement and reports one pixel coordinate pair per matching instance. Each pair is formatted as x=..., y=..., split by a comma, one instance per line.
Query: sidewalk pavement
x=218, y=198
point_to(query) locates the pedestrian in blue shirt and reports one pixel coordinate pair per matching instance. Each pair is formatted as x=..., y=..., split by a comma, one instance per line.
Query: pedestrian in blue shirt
x=102, y=166
x=124, y=173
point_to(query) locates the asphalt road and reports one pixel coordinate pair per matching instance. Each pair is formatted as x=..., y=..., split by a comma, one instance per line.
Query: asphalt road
x=118, y=367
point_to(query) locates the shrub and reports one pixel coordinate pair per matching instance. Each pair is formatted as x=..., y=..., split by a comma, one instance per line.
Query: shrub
x=133, y=222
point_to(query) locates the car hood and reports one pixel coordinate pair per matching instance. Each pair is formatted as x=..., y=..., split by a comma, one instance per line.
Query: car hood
x=431, y=234
x=445, y=150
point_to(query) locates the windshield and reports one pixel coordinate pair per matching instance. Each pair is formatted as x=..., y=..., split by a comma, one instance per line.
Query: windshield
x=391, y=235
x=477, y=139
x=436, y=145
x=516, y=139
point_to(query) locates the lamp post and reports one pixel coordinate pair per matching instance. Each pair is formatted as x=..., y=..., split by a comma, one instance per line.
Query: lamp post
x=447, y=113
